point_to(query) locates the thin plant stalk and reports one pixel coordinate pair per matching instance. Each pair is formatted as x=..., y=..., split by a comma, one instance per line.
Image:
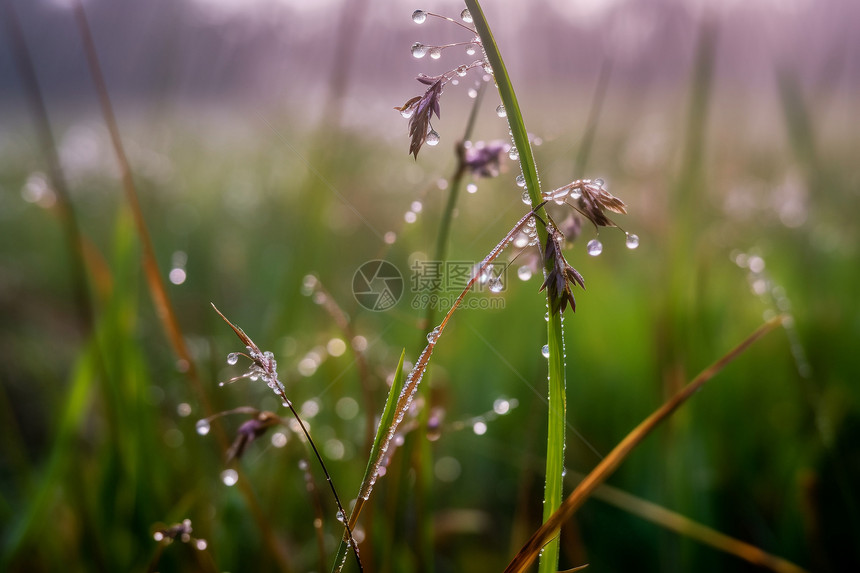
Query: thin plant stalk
x=47, y=142
x=279, y=391
x=691, y=529
x=424, y=462
x=396, y=407
x=557, y=397
x=549, y=530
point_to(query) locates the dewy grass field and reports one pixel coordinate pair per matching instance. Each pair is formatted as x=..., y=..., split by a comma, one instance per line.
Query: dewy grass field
x=699, y=411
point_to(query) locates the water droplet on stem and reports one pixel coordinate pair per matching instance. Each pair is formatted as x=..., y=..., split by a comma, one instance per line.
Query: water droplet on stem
x=594, y=247
x=419, y=50
x=203, y=427
x=419, y=16
x=632, y=241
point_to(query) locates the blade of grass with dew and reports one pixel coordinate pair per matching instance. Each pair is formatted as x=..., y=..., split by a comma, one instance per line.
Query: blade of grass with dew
x=385, y=422
x=413, y=379
x=549, y=530
x=423, y=455
x=556, y=377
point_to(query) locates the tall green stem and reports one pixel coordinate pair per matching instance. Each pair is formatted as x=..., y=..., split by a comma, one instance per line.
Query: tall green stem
x=556, y=378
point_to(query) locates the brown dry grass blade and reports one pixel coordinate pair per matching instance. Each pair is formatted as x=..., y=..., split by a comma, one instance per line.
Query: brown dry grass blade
x=693, y=530
x=163, y=307
x=530, y=551
x=239, y=332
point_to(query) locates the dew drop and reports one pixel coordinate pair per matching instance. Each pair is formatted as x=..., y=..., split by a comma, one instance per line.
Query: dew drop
x=432, y=138
x=526, y=198
x=594, y=247
x=466, y=16
x=203, y=427
x=419, y=50
x=471, y=49
x=632, y=241
x=514, y=154
x=435, y=53
x=521, y=180
x=599, y=182
x=339, y=516
x=501, y=111
x=524, y=273
x=471, y=188
x=545, y=351
x=462, y=69
x=406, y=112
x=496, y=285
x=433, y=335
x=575, y=194
x=229, y=477
x=232, y=358
x=419, y=16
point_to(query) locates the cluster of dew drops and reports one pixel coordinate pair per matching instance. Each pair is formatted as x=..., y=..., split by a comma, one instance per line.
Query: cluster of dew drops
x=594, y=247
x=420, y=50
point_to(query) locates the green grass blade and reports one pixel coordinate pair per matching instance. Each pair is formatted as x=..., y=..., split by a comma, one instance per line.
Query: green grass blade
x=385, y=423
x=556, y=380
x=550, y=529
x=76, y=403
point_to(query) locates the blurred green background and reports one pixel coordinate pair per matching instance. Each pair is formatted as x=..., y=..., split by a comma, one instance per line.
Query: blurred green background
x=264, y=149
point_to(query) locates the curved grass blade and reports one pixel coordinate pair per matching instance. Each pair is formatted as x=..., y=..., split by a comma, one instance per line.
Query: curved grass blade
x=549, y=530
x=691, y=529
x=385, y=422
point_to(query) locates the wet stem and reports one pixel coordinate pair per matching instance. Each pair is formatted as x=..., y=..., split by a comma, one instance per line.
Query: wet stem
x=556, y=374
x=278, y=388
